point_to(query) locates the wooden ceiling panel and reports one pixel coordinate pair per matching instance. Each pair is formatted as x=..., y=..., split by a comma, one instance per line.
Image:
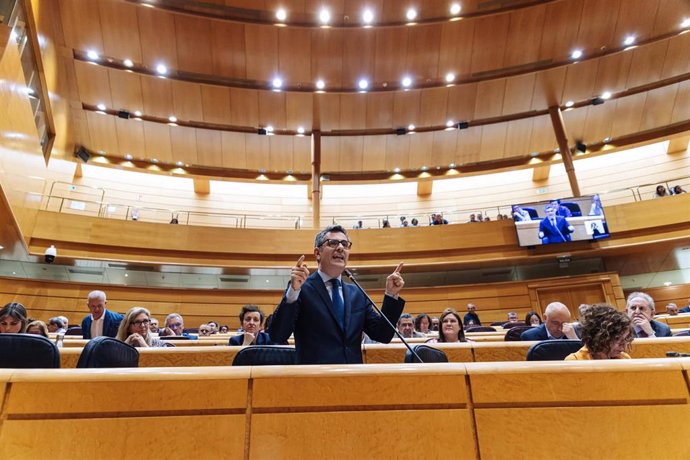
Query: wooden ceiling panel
x=599, y=122
x=351, y=155
x=158, y=142
x=302, y=154
x=126, y=91
x=634, y=19
x=194, y=44
x=493, y=141
x=519, y=92
x=399, y=151
x=93, y=84
x=421, y=145
x=359, y=51
x=130, y=138
x=81, y=25
x=658, y=107
x=456, y=53
x=543, y=138
x=524, y=36
x=183, y=146
x=257, y=151
x=353, y=111
x=489, y=43
x=157, y=95
x=299, y=110
x=468, y=146
x=244, y=107
x=647, y=63
x=669, y=15
x=102, y=132
x=262, y=52
x=187, y=101
x=574, y=121
x=597, y=24
x=628, y=115
x=406, y=105
x=579, y=81
x=280, y=153
x=613, y=71
x=327, y=56
x=433, y=109
x=294, y=55
x=443, y=148
x=272, y=110
x=216, y=103
x=490, y=97
x=234, y=152
x=380, y=110
x=681, y=108
x=561, y=23
x=120, y=32
x=677, y=57
x=330, y=154
x=158, y=43
x=420, y=62
x=390, y=43
x=228, y=49
x=329, y=106
x=548, y=88
x=518, y=138
x=462, y=100
x=374, y=153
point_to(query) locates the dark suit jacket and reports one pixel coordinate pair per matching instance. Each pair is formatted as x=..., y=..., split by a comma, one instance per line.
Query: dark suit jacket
x=558, y=234
x=660, y=329
x=539, y=333
x=261, y=339
x=471, y=317
x=110, y=324
x=319, y=338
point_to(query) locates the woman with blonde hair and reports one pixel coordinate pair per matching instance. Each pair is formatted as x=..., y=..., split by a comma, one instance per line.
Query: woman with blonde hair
x=134, y=329
x=38, y=328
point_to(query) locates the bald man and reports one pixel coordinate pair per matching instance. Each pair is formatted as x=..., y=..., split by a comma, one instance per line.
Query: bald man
x=556, y=325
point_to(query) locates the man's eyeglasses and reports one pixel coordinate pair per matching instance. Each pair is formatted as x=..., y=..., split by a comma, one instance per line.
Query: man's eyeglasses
x=144, y=322
x=334, y=243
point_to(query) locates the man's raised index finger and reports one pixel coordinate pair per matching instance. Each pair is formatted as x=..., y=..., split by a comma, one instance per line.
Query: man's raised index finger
x=299, y=262
x=399, y=267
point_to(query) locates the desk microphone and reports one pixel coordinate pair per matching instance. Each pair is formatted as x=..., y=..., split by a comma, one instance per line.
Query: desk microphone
x=676, y=354
x=349, y=274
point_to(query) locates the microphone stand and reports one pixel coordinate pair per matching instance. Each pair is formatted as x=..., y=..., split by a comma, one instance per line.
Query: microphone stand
x=349, y=274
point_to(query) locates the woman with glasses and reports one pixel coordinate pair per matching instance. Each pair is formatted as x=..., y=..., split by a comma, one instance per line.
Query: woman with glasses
x=134, y=329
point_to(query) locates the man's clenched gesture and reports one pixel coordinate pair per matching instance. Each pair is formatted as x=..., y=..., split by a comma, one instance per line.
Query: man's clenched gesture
x=395, y=282
x=299, y=274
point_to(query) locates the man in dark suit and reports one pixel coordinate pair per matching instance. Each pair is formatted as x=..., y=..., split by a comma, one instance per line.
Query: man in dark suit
x=556, y=325
x=471, y=318
x=640, y=308
x=101, y=321
x=327, y=316
x=554, y=228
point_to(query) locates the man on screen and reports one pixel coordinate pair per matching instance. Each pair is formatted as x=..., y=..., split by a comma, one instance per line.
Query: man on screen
x=554, y=228
x=328, y=316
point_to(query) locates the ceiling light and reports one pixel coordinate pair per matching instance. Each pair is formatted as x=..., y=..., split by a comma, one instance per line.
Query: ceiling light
x=363, y=84
x=629, y=40
x=450, y=77
x=452, y=165
x=277, y=83
x=101, y=107
x=281, y=14
x=606, y=95
x=324, y=16
x=455, y=8
x=368, y=16
x=161, y=69
x=685, y=23
x=320, y=84
x=607, y=140
x=269, y=130
x=411, y=14
x=424, y=168
x=91, y=54
x=396, y=170
x=137, y=113
x=128, y=63
x=128, y=157
x=179, y=163
x=450, y=124
x=406, y=82
x=410, y=127
x=300, y=130
x=172, y=119
x=154, y=160
x=569, y=103
x=576, y=54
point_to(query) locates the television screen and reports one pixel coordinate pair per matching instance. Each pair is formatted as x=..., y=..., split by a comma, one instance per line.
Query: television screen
x=560, y=221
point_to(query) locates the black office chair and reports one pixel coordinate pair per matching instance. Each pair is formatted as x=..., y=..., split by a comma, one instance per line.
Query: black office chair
x=174, y=337
x=552, y=350
x=514, y=333
x=533, y=214
x=265, y=355
x=108, y=352
x=480, y=329
x=76, y=330
x=509, y=325
x=498, y=323
x=573, y=207
x=28, y=351
x=427, y=354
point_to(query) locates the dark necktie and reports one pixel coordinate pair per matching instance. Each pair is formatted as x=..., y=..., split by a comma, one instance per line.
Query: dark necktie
x=338, y=303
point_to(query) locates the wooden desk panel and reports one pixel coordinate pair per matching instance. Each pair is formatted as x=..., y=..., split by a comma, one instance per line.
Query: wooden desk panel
x=168, y=357
x=500, y=351
x=393, y=354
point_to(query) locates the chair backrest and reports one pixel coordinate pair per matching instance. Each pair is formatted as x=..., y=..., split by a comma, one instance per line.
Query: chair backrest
x=480, y=329
x=265, y=355
x=427, y=354
x=76, y=330
x=533, y=214
x=573, y=207
x=28, y=351
x=174, y=337
x=108, y=352
x=509, y=325
x=552, y=350
x=498, y=323
x=514, y=333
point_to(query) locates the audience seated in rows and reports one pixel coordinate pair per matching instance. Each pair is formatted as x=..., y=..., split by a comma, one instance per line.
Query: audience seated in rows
x=640, y=308
x=153, y=325
x=101, y=321
x=532, y=318
x=434, y=323
x=512, y=317
x=556, y=325
x=671, y=309
x=422, y=323
x=606, y=334
x=251, y=318
x=13, y=318
x=405, y=327
x=206, y=330
x=471, y=318
x=677, y=190
x=450, y=328
x=224, y=329
x=661, y=192
x=135, y=329
x=37, y=327
x=57, y=324
x=437, y=219
x=174, y=326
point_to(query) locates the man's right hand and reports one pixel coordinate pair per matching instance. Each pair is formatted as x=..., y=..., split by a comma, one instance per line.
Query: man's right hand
x=644, y=324
x=299, y=274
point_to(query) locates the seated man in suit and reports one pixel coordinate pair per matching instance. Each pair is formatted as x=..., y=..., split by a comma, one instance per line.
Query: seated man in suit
x=640, y=308
x=406, y=327
x=671, y=309
x=554, y=228
x=685, y=309
x=327, y=316
x=471, y=318
x=174, y=326
x=101, y=321
x=556, y=325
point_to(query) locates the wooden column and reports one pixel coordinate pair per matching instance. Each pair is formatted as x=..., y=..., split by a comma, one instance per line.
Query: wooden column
x=562, y=138
x=316, y=178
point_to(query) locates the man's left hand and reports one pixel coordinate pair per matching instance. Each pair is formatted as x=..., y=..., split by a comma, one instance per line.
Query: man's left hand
x=395, y=282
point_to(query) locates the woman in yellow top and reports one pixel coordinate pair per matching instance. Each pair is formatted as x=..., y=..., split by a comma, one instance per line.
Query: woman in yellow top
x=606, y=333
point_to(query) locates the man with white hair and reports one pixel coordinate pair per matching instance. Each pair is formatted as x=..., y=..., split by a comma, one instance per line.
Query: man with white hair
x=101, y=321
x=640, y=308
x=556, y=325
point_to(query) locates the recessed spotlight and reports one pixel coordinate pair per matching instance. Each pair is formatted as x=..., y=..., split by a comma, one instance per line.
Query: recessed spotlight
x=363, y=84
x=607, y=140
x=368, y=16
x=450, y=77
x=277, y=83
x=685, y=23
x=455, y=8
x=450, y=124
x=128, y=157
x=667, y=283
x=606, y=95
x=576, y=54
x=396, y=170
x=269, y=130
x=411, y=14
x=320, y=84
x=128, y=63
x=324, y=16
x=569, y=103
x=126, y=275
x=300, y=130
x=406, y=82
x=629, y=40
x=154, y=160
x=101, y=107
x=281, y=14
x=424, y=168
x=91, y=54
x=179, y=163
x=137, y=113
x=452, y=165
x=161, y=69
x=410, y=127
x=172, y=119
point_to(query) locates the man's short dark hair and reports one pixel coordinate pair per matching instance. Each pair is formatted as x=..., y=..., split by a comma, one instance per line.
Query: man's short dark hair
x=250, y=309
x=55, y=321
x=405, y=316
x=321, y=236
